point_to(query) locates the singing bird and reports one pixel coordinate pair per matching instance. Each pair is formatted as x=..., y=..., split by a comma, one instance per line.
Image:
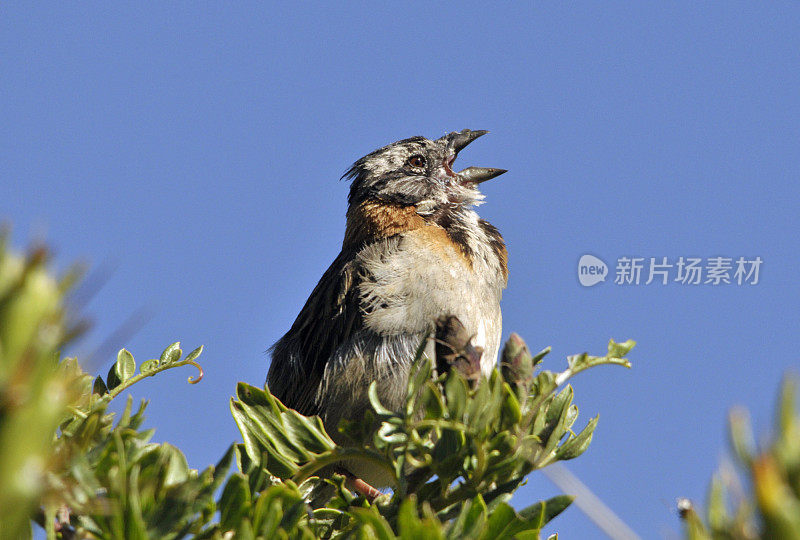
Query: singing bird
x=414, y=250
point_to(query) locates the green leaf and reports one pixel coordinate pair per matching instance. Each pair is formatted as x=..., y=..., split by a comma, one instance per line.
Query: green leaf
x=577, y=445
x=192, y=356
x=512, y=413
x=447, y=453
x=620, y=350
x=285, y=430
x=306, y=432
x=421, y=371
x=538, y=357
x=245, y=530
x=389, y=434
x=112, y=379
x=177, y=469
x=502, y=516
x=433, y=401
x=374, y=525
x=786, y=406
x=125, y=367
x=372, y=392
x=504, y=523
x=408, y=522
x=251, y=446
x=556, y=419
x=235, y=502
x=471, y=519
x=544, y=383
x=99, y=387
x=148, y=366
x=559, y=404
x=456, y=393
x=485, y=404
x=572, y=415
x=544, y=511
x=171, y=354
x=135, y=527
x=741, y=435
x=717, y=512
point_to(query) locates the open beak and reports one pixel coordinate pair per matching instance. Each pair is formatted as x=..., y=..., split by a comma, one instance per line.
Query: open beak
x=457, y=141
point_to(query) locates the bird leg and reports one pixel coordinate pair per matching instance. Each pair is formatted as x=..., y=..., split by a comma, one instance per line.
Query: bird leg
x=353, y=483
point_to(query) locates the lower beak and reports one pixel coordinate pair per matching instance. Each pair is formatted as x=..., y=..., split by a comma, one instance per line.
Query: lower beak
x=476, y=175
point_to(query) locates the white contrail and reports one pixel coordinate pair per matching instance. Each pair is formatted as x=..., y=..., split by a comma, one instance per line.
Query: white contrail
x=589, y=503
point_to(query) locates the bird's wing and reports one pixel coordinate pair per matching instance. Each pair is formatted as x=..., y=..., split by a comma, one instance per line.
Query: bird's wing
x=330, y=317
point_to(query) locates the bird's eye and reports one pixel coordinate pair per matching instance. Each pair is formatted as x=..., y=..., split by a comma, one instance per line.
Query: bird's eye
x=417, y=161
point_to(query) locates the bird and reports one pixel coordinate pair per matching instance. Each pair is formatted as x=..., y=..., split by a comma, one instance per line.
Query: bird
x=414, y=250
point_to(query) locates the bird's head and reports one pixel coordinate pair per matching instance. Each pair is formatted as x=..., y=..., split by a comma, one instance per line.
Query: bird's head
x=419, y=172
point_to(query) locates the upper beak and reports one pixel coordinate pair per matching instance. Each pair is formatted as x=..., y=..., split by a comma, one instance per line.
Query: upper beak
x=457, y=141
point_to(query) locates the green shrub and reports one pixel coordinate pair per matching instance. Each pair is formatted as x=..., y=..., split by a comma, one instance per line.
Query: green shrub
x=457, y=452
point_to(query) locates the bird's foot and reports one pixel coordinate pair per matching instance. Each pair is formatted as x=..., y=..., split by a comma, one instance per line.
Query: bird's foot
x=353, y=483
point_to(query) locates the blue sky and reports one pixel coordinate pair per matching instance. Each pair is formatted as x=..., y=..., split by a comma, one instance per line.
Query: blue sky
x=196, y=150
